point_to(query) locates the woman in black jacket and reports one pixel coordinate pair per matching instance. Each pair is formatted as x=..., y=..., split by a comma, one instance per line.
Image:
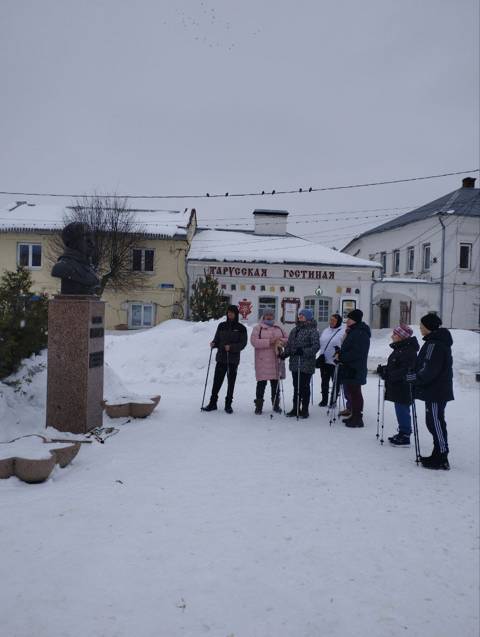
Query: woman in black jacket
x=397, y=390
x=352, y=357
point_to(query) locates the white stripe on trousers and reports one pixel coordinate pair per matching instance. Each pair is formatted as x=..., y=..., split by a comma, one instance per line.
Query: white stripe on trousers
x=438, y=428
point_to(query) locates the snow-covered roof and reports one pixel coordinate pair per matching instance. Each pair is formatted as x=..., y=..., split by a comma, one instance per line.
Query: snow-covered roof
x=27, y=217
x=234, y=245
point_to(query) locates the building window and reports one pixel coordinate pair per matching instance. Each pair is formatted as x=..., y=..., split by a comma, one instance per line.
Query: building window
x=323, y=310
x=426, y=257
x=142, y=260
x=29, y=255
x=233, y=287
x=396, y=261
x=465, y=261
x=383, y=261
x=410, y=259
x=267, y=303
x=405, y=312
x=141, y=315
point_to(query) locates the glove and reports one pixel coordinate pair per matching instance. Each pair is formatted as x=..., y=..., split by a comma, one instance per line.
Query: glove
x=381, y=371
x=411, y=377
x=298, y=351
x=283, y=355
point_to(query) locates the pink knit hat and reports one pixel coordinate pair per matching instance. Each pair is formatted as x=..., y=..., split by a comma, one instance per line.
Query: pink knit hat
x=403, y=331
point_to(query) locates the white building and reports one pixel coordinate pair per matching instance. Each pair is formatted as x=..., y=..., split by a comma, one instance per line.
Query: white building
x=430, y=262
x=268, y=267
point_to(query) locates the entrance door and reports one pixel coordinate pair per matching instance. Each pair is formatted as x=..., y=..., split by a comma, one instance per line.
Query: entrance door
x=385, y=313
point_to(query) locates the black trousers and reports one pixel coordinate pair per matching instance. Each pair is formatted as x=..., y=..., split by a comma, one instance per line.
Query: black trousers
x=301, y=388
x=220, y=370
x=436, y=425
x=327, y=372
x=261, y=386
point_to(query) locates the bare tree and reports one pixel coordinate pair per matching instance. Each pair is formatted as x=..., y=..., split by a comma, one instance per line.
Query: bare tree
x=115, y=232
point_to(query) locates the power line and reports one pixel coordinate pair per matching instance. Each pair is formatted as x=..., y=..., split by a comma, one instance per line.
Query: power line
x=269, y=192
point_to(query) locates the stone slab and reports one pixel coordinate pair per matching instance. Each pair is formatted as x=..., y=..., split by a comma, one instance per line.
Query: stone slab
x=75, y=363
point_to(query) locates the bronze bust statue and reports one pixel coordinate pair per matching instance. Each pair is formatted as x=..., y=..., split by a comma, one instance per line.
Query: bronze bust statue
x=74, y=266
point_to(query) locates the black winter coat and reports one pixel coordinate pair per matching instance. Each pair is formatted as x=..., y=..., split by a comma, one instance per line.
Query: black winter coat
x=434, y=368
x=354, y=354
x=230, y=333
x=400, y=361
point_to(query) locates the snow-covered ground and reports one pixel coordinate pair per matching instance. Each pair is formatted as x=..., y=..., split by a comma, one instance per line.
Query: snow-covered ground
x=190, y=524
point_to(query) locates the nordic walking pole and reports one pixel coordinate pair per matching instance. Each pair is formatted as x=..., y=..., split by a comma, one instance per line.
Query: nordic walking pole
x=311, y=388
x=334, y=398
x=415, y=426
x=298, y=388
x=383, y=412
x=277, y=388
x=206, y=380
x=378, y=408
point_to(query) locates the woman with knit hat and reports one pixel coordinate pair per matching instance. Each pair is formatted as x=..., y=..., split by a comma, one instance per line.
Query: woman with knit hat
x=268, y=338
x=433, y=383
x=397, y=390
x=303, y=344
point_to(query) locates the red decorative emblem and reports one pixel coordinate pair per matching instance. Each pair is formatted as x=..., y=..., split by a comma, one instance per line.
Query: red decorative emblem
x=245, y=308
x=252, y=287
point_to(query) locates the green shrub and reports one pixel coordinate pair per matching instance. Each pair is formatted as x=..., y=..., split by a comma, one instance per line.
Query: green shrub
x=23, y=320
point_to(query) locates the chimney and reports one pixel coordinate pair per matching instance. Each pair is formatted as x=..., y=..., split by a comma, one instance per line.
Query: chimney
x=270, y=222
x=468, y=182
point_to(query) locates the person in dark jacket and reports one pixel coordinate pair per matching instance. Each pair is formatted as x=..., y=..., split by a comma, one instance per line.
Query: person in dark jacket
x=397, y=390
x=433, y=383
x=352, y=357
x=230, y=338
x=303, y=344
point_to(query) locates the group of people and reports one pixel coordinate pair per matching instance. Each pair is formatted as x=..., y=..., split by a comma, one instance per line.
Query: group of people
x=342, y=359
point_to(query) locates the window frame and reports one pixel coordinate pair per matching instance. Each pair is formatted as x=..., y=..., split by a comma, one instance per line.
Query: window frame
x=465, y=244
x=410, y=256
x=143, y=305
x=30, y=245
x=426, y=247
x=142, y=260
x=383, y=261
x=262, y=306
x=396, y=262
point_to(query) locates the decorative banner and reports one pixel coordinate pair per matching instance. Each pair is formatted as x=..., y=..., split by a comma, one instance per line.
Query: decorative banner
x=272, y=288
x=224, y=287
x=282, y=288
x=245, y=308
x=289, y=310
x=252, y=287
x=357, y=291
x=318, y=292
x=339, y=290
x=242, y=286
x=349, y=290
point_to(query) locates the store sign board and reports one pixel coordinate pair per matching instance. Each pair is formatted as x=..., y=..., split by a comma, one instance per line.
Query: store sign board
x=240, y=271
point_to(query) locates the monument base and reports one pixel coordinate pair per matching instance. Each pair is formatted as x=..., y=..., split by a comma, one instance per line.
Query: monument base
x=75, y=363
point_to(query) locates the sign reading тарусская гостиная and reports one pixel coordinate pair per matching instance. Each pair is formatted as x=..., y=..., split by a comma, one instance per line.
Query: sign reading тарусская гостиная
x=241, y=271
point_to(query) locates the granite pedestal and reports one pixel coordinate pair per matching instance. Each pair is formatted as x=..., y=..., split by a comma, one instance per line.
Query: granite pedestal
x=75, y=363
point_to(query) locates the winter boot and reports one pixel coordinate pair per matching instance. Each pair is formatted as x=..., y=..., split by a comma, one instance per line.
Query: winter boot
x=276, y=404
x=293, y=412
x=228, y=406
x=400, y=440
x=212, y=405
x=354, y=421
x=439, y=461
x=304, y=410
x=258, y=406
x=323, y=403
x=345, y=412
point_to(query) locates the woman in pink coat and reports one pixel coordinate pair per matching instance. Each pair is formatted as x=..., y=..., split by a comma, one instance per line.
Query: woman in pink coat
x=267, y=339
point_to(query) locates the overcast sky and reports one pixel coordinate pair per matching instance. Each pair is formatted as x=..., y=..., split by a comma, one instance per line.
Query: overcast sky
x=195, y=96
